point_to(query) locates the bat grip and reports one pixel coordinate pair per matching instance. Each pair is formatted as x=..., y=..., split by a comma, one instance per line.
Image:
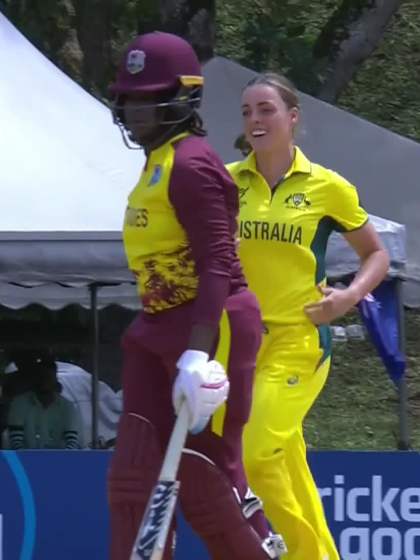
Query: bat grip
x=176, y=444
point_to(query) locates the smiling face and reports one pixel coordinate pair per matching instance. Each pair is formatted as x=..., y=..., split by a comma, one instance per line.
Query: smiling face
x=269, y=119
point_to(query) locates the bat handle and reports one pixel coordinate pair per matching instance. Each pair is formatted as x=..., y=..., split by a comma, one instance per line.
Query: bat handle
x=176, y=444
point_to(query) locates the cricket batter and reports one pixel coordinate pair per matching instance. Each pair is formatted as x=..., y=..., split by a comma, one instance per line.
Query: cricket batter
x=288, y=208
x=179, y=237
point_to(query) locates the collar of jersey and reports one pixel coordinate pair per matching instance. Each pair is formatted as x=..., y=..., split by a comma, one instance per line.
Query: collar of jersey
x=300, y=164
x=157, y=153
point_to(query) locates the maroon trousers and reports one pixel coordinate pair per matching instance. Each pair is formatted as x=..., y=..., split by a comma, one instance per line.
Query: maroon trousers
x=152, y=346
x=214, y=488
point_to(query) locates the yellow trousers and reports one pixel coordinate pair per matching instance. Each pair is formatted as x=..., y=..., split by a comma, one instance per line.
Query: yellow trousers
x=290, y=374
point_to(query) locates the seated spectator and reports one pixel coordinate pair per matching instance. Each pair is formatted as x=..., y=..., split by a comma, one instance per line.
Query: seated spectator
x=77, y=388
x=41, y=418
x=14, y=385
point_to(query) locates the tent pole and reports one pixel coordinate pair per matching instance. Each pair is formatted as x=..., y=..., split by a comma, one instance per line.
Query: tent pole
x=93, y=288
x=403, y=436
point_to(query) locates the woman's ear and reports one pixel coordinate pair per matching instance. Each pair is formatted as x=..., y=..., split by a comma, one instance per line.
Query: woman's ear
x=294, y=116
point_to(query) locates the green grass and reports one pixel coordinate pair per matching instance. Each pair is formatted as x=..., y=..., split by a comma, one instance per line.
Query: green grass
x=358, y=406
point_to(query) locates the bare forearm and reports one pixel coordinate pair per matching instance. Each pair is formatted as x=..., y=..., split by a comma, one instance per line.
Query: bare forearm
x=371, y=273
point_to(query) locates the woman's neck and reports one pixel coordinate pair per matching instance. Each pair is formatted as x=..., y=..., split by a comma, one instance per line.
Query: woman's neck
x=274, y=165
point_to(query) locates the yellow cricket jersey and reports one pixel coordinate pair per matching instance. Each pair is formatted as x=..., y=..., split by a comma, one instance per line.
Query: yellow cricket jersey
x=155, y=243
x=284, y=233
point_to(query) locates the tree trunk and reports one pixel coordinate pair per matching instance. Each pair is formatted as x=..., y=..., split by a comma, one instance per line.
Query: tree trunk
x=351, y=35
x=193, y=20
x=94, y=21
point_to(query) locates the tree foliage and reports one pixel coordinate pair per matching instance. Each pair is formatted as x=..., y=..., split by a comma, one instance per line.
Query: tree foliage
x=353, y=32
x=192, y=20
x=386, y=88
x=304, y=39
x=300, y=38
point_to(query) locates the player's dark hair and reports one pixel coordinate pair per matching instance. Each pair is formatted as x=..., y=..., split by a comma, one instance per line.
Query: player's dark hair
x=196, y=124
x=187, y=113
x=281, y=84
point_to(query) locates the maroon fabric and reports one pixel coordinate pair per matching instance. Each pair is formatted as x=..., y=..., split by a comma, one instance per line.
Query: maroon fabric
x=154, y=62
x=212, y=510
x=205, y=200
x=134, y=468
x=152, y=345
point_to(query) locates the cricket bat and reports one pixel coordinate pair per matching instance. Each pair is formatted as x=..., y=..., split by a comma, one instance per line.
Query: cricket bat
x=151, y=537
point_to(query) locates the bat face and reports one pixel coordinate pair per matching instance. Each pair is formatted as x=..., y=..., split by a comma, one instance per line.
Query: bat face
x=151, y=539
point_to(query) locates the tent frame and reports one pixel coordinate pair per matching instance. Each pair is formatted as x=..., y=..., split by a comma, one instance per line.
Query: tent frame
x=94, y=321
x=403, y=427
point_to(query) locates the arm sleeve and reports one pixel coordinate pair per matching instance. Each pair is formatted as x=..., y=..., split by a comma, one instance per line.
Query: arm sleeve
x=15, y=425
x=197, y=193
x=345, y=206
x=70, y=432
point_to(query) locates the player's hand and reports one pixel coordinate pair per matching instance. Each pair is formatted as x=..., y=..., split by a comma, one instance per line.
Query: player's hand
x=203, y=384
x=333, y=304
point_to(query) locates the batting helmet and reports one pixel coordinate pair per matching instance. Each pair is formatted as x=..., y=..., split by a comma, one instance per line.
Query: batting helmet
x=162, y=65
x=157, y=62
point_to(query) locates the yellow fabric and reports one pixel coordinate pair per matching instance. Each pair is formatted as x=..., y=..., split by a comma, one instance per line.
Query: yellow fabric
x=283, y=235
x=222, y=356
x=287, y=383
x=156, y=244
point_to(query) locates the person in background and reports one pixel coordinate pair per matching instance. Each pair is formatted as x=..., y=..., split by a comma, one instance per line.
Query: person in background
x=41, y=418
x=76, y=385
x=288, y=208
x=16, y=379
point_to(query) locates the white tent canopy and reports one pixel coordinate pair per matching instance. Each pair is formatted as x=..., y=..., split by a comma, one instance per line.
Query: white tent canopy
x=65, y=174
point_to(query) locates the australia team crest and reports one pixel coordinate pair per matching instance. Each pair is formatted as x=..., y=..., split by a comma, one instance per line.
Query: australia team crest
x=297, y=200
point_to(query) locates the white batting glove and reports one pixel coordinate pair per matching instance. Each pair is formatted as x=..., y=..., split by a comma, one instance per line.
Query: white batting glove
x=203, y=384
